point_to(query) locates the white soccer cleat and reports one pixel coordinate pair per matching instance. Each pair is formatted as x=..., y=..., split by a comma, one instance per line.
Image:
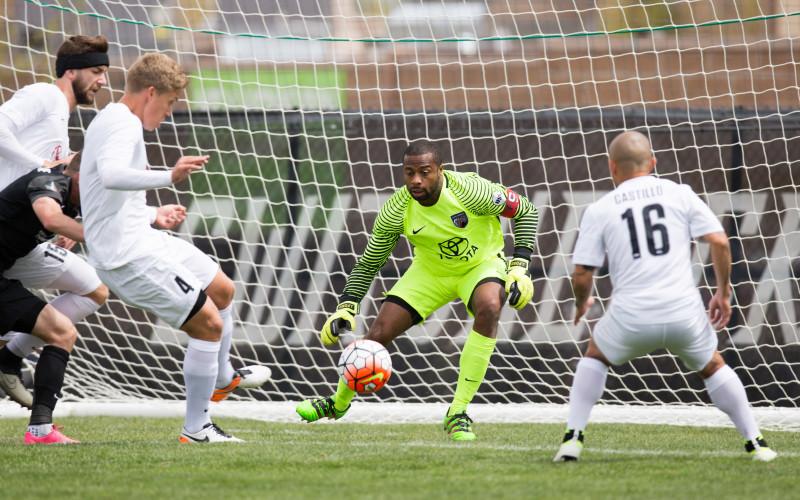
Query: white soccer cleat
x=248, y=377
x=571, y=447
x=764, y=455
x=210, y=433
x=759, y=450
x=12, y=386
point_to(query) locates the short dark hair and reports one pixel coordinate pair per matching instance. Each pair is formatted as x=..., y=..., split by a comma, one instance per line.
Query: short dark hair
x=82, y=44
x=423, y=146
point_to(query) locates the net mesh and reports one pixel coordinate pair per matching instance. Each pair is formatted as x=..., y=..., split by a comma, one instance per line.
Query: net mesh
x=305, y=107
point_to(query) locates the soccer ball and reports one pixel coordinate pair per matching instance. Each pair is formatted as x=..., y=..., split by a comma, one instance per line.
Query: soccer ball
x=365, y=366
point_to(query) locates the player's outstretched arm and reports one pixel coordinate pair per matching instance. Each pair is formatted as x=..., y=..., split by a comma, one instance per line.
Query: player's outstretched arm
x=53, y=219
x=378, y=249
x=719, y=308
x=387, y=230
x=582, y=283
x=519, y=285
x=186, y=165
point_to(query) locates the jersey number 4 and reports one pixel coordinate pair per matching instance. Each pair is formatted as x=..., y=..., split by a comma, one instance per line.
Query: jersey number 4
x=650, y=230
x=184, y=286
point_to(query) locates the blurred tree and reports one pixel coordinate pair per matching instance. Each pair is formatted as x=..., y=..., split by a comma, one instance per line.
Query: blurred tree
x=636, y=14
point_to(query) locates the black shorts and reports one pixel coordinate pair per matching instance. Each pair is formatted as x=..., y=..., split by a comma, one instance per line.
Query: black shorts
x=19, y=308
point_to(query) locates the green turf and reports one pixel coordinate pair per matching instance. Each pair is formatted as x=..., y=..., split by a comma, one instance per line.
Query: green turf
x=141, y=458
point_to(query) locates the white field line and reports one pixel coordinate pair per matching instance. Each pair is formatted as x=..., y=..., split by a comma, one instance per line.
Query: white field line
x=781, y=419
x=517, y=448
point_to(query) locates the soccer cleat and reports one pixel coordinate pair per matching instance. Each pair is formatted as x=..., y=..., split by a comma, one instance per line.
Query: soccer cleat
x=210, y=433
x=54, y=437
x=759, y=450
x=312, y=410
x=571, y=447
x=459, y=427
x=11, y=383
x=244, y=378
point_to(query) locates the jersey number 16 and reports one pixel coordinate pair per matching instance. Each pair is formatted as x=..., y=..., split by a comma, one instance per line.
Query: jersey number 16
x=650, y=229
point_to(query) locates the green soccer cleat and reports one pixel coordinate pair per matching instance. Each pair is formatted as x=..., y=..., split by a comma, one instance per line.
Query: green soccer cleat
x=312, y=410
x=459, y=427
x=759, y=450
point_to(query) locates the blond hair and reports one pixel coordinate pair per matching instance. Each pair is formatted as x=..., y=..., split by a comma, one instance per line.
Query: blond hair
x=156, y=70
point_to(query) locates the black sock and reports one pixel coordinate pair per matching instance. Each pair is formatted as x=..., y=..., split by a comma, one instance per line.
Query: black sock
x=10, y=362
x=47, y=382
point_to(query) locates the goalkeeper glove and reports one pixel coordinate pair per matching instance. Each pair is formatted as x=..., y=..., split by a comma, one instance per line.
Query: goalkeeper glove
x=343, y=319
x=519, y=286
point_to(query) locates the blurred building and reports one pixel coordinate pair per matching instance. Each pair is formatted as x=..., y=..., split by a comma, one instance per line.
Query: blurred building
x=360, y=54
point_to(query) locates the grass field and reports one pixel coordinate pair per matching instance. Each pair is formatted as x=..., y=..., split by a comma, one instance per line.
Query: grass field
x=141, y=458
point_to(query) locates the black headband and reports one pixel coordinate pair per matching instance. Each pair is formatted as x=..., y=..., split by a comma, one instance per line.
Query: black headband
x=80, y=61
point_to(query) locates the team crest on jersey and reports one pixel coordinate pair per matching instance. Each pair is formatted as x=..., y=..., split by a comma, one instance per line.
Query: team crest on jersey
x=460, y=219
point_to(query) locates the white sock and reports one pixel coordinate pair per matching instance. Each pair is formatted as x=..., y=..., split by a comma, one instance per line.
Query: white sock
x=73, y=306
x=727, y=393
x=587, y=387
x=225, y=374
x=40, y=430
x=22, y=344
x=199, y=374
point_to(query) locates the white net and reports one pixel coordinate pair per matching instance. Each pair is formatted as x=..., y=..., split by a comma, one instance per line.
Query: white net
x=306, y=106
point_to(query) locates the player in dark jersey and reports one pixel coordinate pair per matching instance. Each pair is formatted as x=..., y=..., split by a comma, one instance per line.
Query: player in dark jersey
x=32, y=209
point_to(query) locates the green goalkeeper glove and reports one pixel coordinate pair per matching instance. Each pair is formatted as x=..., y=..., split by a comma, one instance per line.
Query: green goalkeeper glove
x=519, y=286
x=343, y=319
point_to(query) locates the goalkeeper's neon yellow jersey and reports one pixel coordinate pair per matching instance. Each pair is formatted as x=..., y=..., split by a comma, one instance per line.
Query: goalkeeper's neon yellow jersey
x=461, y=230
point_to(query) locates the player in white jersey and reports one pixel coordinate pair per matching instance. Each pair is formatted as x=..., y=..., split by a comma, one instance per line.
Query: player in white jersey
x=148, y=268
x=33, y=134
x=644, y=228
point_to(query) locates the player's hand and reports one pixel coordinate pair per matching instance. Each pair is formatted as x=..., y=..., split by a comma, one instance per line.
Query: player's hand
x=719, y=310
x=64, y=242
x=519, y=286
x=170, y=216
x=580, y=311
x=343, y=319
x=56, y=163
x=186, y=165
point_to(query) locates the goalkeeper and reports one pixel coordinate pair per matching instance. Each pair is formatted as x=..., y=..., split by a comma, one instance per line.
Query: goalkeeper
x=452, y=220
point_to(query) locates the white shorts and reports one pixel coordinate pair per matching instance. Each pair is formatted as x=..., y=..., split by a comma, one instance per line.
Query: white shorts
x=166, y=283
x=692, y=340
x=51, y=267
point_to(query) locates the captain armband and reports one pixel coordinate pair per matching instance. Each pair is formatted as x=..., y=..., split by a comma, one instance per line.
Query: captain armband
x=511, y=205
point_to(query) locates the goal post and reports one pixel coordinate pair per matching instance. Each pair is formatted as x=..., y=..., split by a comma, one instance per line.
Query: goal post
x=305, y=108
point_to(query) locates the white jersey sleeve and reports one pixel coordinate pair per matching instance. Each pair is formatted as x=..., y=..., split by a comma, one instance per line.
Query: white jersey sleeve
x=27, y=106
x=33, y=128
x=112, y=162
x=702, y=220
x=12, y=150
x=590, y=249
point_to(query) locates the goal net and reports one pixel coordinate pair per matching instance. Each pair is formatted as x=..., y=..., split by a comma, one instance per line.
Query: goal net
x=305, y=108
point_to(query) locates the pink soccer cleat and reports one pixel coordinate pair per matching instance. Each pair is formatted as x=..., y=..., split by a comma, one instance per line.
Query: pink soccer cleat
x=55, y=437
